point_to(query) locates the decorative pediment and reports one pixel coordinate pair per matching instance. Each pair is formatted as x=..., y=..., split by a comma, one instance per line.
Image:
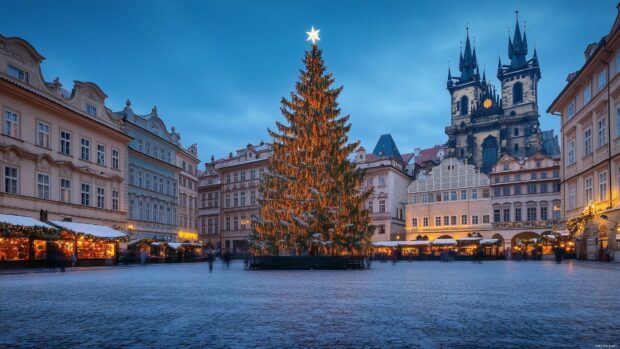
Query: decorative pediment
x=43, y=165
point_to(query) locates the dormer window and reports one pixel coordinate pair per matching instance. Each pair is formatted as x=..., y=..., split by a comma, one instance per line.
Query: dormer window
x=18, y=73
x=91, y=110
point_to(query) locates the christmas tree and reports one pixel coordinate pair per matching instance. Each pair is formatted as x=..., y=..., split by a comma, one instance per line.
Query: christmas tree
x=311, y=198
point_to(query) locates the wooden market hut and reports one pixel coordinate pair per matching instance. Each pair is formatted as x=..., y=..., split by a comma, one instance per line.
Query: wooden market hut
x=94, y=244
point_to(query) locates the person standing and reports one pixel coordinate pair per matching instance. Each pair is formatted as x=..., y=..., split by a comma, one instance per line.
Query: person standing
x=210, y=259
x=73, y=260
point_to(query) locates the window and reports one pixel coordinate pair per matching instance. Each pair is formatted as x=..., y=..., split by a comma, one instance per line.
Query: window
x=11, y=180
x=252, y=198
x=571, y=152
x=486, y=218
x=474, y=220
x=588, y=190
x=496, y=215
x=85, y=194
x=101, y=197
x=235, y=199
x=446, y=196
x=601, y=136
x=617, y=120
x=85, y=153
x=516, y=147
x=587, y=94
x=517, y=189
x=147, y=211
x=65, y=190
x=486, y=193
x=115, y=199
x=414, y=222
x=227, y=178
x=497, y=192
x=571, y=197
x=425, y=222
x=227, y=201
x=602, y=186
x=252, y=174
x=543, y=187
x=11, y=124
x=147, y=181
x=381, y=180
x=544, y=213
x=235, y=177
x=464, y=219
x=101, y=154
x=381, y=206
x=18, y=73
x=148, y=148
x=453, y=220
x=531, y=188
x=602, y=79
x=587, y=141
x=571, y=110
x=516, y=132
x=463, y=194
x=65, y=142
x=556, y=211
x=531, y=213
x=369, y=182
x=438, y=221
x=543, y=175
x=424, y=198
x=43, y=135
x=453, y=195
x=446, y=220
x=506, y=214
x=534, y=176
x=91, y=109
x=243, y=176
x=506, y=190
x=517, y=214
x=464, y=105
x=242, y=198
x=43, y=186
x=474, y=194
x=517, y=93
x=116, y=163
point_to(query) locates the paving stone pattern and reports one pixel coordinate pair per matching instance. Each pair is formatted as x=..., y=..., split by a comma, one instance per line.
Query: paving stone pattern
x=409, y=305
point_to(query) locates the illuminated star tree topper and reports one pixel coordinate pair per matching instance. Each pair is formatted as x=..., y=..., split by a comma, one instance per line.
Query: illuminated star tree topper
x=313, y=35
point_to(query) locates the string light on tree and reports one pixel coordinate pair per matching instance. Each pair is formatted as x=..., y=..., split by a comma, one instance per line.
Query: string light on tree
x=310, y=202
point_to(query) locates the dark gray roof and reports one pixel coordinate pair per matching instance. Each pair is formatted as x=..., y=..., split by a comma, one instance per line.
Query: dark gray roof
x=550, y=144
x=387, y=147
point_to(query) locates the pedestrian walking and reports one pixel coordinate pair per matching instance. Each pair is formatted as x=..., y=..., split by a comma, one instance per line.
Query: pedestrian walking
x=73, y=260
x=227, y=257
x=143, y=257
x=210, y=259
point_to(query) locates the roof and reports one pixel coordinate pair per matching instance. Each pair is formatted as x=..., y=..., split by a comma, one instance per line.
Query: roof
x=23, y=221
x=443, y=242
x=550, y=145
x=97, y=230
x=387, y=147
x=429, y=154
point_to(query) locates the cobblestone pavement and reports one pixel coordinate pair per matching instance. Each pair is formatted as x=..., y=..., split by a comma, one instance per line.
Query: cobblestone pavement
x=420, y=304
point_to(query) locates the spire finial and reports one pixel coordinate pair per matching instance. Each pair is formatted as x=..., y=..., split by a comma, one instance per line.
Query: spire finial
x=128, y=103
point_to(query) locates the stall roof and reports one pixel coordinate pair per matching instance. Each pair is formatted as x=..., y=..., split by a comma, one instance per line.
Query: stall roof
x=489, y=241
x=97, y=230
x=400, y=243
x=476, y=238
x=23, y=220
x=443, y=242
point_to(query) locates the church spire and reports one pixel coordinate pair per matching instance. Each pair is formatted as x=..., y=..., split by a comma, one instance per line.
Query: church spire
x=517, y=48
x=468, y=62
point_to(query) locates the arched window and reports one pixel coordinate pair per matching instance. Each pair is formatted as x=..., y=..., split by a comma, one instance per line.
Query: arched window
x=489, y=153
x=517, y=93
x=464, y=105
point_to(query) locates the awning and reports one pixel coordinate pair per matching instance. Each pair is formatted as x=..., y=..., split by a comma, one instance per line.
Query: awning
x=443, y=242
x=477, y=238
x=100, y=231
x=400, y=243
x=488, y=241
x=23, y=221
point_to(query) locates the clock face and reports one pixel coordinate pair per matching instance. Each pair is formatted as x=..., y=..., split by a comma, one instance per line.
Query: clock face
x=488, y=103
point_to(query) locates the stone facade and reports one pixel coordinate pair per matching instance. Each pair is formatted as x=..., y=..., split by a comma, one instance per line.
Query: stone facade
x=187, y=162
x=240, y=174
x=525, y=197
x=61, y=152
x=484, y=125
x=209, y=211
x=589, y=107
x=451, y=200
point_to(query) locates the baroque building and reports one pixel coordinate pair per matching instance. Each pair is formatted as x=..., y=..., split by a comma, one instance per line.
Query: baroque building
x=187, y=162
x=208, y=217
x=62, y=153
x=589, y=108
x=486, y=124
x=154, y=171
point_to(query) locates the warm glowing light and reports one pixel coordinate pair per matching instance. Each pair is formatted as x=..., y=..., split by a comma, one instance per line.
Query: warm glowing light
x=313, y=35
x=187, y=235
x=130, y=226
x=488, y=103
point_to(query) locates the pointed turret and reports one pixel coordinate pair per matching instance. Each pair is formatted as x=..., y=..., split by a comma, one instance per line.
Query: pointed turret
x=517, y=48
x=468, y=62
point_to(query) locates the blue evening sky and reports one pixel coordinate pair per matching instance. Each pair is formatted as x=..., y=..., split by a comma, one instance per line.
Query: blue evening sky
x=217, y=69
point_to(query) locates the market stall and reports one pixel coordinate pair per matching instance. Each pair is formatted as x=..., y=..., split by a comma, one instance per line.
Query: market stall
x=468, y=246
x=94, y=244
x=25, y=240
x=491, y=248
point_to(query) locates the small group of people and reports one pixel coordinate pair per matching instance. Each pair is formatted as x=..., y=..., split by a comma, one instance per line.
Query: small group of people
x=56, y=257
x=226, y=257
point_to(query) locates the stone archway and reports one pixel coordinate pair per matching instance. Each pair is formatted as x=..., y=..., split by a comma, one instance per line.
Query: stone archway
x=522, y=244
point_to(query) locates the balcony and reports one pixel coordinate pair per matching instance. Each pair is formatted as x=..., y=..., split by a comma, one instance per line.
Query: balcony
x=548, y=224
